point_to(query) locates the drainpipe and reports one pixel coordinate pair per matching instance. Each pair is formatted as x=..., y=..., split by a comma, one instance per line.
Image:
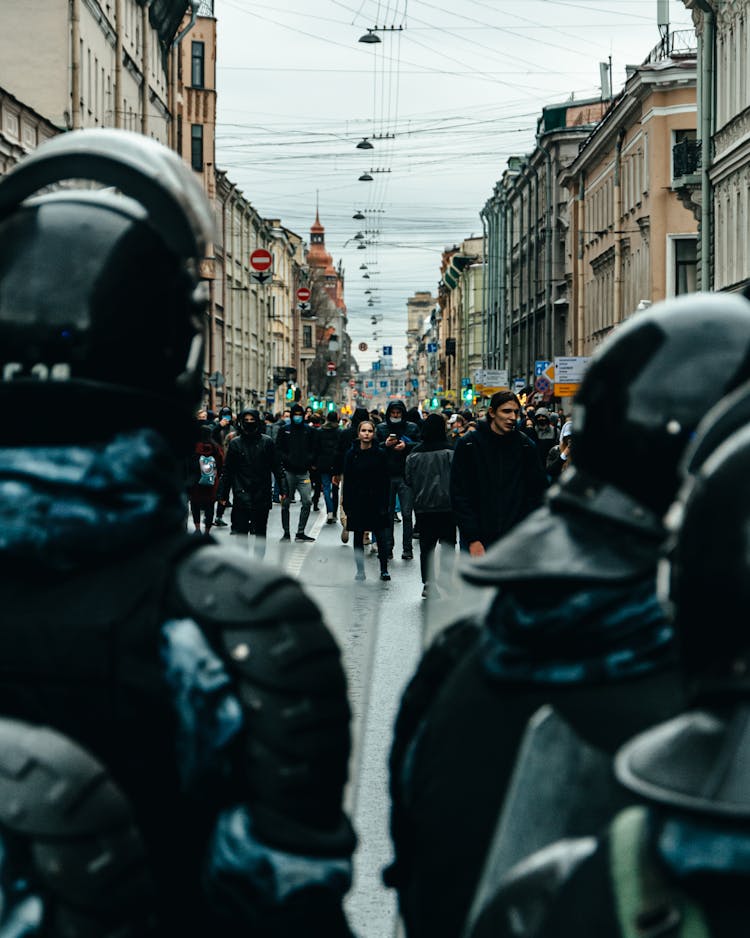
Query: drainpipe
x=75, y=64
x=485, y=280
x=173, y=53
x=534, y=348
x=548, y=255
x=508, y=261
x=119, y=26
x=617, y=305
x=581, y=219
x=145, y=66
x=529, y=280
x=706, y=78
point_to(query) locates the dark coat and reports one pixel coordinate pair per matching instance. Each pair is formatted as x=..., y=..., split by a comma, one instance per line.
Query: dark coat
x=428, y=473
x=331, y=452
x=405, y=430
x=247, y=472
x=496, y=481
x=297, y=447
x=366, y=489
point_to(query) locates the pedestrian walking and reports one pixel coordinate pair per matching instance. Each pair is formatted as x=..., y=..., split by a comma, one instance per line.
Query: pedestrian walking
x=427, y=473
x=399, y=436
x=366, y=488
x=330, y=463
x=297, y=447
x=496, y=477
x=251, y=463
x=205, y=471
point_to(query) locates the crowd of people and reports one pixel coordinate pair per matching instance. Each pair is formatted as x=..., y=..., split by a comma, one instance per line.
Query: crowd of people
x=433, y=473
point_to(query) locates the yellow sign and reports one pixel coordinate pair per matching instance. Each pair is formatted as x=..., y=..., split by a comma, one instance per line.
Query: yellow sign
x=566, y=390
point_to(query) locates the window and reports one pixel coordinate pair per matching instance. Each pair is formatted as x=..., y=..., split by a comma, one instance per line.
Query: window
x=685, y=265
x=196, y=147
x=197, y=72
x=684, y=153
x=307, y=336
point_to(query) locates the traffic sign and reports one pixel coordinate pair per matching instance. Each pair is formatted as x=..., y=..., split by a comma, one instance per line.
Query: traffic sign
x=362, y=346
x=303, y=294
x=387, y=350
x=261, y=260
x=540, y=367
x=569, y=373
x=432, y=347
x=257, y=276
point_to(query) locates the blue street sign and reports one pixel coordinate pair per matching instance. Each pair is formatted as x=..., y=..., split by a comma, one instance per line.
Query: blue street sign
x=383, y=384
x=540, y=368
x=270, y=395
x=387, y=350
x=432, y=347
x=415, y=383
x=376, y=366
x=370, y=384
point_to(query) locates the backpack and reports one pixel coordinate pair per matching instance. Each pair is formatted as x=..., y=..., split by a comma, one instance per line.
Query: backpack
x=207, y=467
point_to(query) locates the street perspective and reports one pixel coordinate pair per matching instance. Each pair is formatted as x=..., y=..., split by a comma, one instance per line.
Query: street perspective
x=374, y=504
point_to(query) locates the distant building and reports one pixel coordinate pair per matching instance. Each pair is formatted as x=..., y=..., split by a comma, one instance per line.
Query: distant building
x=632, y=241
x=526, y=287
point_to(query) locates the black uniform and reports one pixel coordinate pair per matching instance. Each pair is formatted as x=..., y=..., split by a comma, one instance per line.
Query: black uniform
x=191, y=782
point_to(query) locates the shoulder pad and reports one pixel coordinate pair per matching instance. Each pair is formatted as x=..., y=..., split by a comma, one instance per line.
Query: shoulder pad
x=224, y=587
x=520, y=905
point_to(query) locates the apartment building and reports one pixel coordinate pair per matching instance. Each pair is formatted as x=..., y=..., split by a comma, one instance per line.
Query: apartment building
x=632, y=241
x=92, y=63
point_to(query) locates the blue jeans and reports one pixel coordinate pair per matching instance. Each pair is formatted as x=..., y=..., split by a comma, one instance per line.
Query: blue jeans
x=330, y=492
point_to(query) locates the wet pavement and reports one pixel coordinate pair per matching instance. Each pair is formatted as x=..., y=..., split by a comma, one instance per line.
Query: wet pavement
x=381, y=628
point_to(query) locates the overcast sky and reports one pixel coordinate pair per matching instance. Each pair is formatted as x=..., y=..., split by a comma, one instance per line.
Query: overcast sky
x=453, y=93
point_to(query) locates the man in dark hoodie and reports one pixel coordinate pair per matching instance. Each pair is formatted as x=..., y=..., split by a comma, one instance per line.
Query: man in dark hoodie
x=496, y=476
x=399, y=436
x=297, y=446
x=250, y=462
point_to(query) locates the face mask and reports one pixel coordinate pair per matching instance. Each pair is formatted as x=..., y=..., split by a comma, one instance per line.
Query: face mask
x=395, y=419
x=298, y=418
x=250, y=427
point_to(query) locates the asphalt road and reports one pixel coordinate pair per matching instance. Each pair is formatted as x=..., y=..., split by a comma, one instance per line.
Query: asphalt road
x=381, y=628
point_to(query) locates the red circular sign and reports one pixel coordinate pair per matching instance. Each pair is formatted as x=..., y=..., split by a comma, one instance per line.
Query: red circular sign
x=261, y=259
x=303, y=294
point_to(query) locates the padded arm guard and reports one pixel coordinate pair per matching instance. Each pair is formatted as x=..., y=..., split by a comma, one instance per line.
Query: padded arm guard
x=289, y=678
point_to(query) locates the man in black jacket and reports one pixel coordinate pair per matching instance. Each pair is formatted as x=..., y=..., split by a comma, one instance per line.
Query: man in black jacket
x=297, y=447
x=496, y=476
x=250, y=462
x=399, y=436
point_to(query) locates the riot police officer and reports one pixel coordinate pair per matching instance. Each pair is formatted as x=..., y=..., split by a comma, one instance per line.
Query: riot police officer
x=575, y=623
x=211, y=698
x=675, y=862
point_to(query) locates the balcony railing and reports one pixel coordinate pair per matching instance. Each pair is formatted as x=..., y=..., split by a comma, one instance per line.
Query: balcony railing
x=681, y=43
x=686, y=158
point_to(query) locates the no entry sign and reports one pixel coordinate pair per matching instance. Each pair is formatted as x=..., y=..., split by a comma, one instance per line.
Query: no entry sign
x=303, y=294
x=261, y=259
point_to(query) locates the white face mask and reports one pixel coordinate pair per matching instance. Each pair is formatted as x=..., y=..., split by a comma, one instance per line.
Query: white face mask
x=395, y=419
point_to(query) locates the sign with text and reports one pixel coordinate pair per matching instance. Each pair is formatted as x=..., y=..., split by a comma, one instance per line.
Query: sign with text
x=489, y=380
x=569, y=373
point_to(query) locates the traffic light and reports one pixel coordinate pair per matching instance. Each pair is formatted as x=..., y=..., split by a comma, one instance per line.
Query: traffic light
x=290, y=393
x=330, y=406
x=434, y=403
x=468, y=394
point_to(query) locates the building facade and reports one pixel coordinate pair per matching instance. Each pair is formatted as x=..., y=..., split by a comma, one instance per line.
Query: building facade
x=22, y=129
x=632, y=242
x=92, y=63
x=526, y=293
x=722, y=162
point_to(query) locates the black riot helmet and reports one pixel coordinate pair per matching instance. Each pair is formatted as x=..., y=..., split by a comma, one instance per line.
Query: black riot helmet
x=101, y=301
x=705, y=578
x=649, y=385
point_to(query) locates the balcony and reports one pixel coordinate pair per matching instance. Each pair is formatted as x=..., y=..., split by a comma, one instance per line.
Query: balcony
x=686, y=159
